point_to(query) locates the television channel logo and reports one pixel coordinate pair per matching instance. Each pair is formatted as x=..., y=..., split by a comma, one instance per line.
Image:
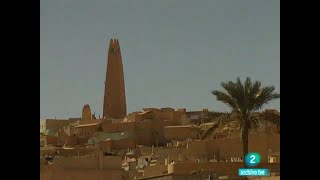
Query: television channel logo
x=251, y=160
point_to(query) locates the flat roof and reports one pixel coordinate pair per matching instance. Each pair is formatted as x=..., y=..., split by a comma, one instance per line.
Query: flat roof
x=145, y=112
x=85, y=125
x=180, y=126
x=67, y=148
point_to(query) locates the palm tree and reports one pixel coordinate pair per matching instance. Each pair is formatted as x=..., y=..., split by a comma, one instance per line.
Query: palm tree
x=244, y=99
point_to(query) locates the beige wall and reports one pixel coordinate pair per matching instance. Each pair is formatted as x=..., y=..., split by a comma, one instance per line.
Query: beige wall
x=108, y=162
x=220, y=149
x=112, y=162
x=117, y=127
x=93, y=174
x=123, y=144
x=86, y=131
x=56, y=124
x=181, y=132
x=54, y=172
x=195, y=150
x=77, y=163
x=49, y=140
x=43, y=140
x=212, y=149
x=148, y=127
x=42, y=126
x=155, y=170
x=68, y=140
x=162, y=153
x=68, y=152
x=162, y=114
x=258, y=142
x=51, y=172
x=90, y=121
x=226, y=148
x=143, y=132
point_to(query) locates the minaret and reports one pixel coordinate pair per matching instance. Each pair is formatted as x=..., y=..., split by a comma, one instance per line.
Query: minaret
x=114, y=104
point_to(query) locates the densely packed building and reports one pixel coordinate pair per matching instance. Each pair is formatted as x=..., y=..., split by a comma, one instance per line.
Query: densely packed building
x=153, y=143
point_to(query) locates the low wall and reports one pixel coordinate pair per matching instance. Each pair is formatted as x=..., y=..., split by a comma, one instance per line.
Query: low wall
x=225, y=148
x=196, y=148
x=143, y=132
x=51, y=172
x=77, y=163
x=124, y=144
x=93, y=174
x=112, y=162
x=117, y=127
x=68, y=140
x=109, y=162
x=155, y=170
x=54, y=172
x=258, y=142
x=181, y=132
x=53, y=140
x=43, y=161
x=162, y=151
x=160, y=177
x=68, y=152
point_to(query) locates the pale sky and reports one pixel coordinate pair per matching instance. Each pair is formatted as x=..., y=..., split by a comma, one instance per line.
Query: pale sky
x=174, y=52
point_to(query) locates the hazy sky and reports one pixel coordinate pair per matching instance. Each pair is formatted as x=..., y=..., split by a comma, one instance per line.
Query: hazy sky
x=174, y=52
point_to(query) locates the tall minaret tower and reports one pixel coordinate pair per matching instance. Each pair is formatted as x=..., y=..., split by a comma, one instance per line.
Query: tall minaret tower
x=114, y=104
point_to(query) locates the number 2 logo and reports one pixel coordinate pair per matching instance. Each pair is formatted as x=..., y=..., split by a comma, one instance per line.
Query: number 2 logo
x=252, y=157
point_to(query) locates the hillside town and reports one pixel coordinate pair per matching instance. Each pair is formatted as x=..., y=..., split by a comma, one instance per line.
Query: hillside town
x=152, y=143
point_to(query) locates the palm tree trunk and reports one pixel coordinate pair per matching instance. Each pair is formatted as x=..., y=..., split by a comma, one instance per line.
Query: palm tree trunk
x=245, y=141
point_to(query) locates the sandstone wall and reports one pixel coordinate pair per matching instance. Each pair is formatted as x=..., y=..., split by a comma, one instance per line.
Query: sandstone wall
x=77, y=163
x=181, y=132
x=155, y=170
x=118, y=127
x=54, y=172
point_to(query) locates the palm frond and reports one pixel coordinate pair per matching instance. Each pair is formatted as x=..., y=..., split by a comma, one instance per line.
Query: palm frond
x=264, y=96
x=247, y=97
x=227, y=99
